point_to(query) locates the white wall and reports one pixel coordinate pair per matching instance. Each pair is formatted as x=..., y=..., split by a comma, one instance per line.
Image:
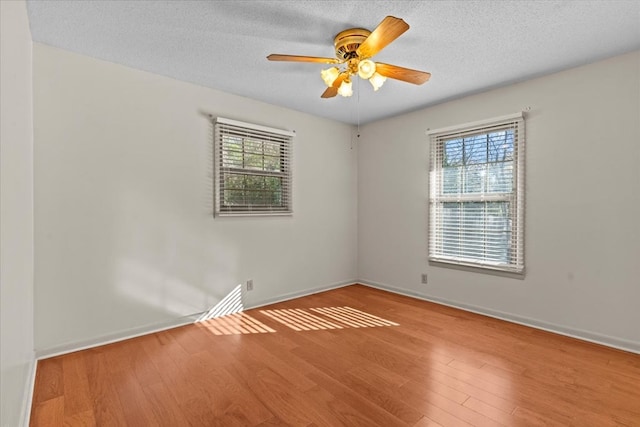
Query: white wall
x=125, y=240
x=16, y=213
x=582, y=214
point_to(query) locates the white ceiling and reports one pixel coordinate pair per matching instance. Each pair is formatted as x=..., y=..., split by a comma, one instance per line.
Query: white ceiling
x=468, y=46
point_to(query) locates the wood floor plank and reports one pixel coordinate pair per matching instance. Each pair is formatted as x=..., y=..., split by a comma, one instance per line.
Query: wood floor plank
x=106, y=404
x=77, y=384
x=380, y=378
x=413, y=386
x=293, y=369
x=49, y=382
x=80, y=419
x=429, y=399
x=442, y=417
x=198, y=391
x=440, y=383
x=242, y=406
x=140, y=363
x=48, y=413
x=527, y=417
x=434, y=366
x=502, y=417
x=417, y=346
x=170, y=372
x=363, y=403
x=383, y=398
x=164, y=405
x=137, y=410
x=553, y=400
x=335, y=411
x=281, y=398
x=427, y=422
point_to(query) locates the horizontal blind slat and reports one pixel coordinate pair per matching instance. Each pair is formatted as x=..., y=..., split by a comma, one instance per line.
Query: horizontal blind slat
x=252, y=168
x=476, y=195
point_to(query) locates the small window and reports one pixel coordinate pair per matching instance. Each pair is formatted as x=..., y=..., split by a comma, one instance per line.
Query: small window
x=476, y=200
x=252, y=169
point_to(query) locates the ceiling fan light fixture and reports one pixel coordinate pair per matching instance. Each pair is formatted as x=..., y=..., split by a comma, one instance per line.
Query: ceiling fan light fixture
x=345, y=88
x=354, y=49
x=330, y=75
x=377, y=80
x=366, y=68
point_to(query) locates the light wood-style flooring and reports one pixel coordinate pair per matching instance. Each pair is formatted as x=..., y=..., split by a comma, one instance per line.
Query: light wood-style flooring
x=359, y=357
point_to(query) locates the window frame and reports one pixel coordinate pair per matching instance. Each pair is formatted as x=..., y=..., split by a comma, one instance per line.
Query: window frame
x=515, y=198
x=224, y=128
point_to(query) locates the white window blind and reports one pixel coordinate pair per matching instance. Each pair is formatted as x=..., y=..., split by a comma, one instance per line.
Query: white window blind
x=476, y=200
x=252, y=167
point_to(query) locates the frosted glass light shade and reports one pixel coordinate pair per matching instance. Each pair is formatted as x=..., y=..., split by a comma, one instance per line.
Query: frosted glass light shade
x=345, y=88
x=366, y=68
x=377, y=80
x=330, y=75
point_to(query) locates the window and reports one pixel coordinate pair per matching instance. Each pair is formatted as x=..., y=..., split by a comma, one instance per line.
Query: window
x=252, y=169
x=476, y=198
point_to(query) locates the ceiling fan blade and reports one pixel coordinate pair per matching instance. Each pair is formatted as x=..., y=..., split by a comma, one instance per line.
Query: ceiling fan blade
x=387, y=31
x=333, y=90
x=330, y=92
x=298, y=58
x=400, y=73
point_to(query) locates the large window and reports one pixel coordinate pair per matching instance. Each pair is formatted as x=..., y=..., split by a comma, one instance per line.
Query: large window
x=476, y=200
x=252, y=169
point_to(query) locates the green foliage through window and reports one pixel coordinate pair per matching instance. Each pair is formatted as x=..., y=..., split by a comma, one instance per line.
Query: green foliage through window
x=253, y=170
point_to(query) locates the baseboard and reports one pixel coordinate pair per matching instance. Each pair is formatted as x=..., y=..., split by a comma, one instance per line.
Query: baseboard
x=303, y=293
x=115, y=337
x=614, y=342
x=149, y=329
x=27, y=400
x=608, y=341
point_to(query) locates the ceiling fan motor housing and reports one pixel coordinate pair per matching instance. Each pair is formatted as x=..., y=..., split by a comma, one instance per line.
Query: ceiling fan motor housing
x=348, y=41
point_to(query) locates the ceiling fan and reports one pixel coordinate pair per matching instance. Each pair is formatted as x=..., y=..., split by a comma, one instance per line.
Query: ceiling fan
x=354, y=49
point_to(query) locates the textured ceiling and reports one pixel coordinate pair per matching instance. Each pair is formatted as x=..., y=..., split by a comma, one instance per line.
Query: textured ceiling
x=468, y=46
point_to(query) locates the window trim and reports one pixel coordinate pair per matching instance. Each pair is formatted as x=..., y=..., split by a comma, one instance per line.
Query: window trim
x=220, y=124
x=439, y=136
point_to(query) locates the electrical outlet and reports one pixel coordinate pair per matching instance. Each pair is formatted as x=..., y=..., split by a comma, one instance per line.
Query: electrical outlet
x=424, y=278
x=250, y=285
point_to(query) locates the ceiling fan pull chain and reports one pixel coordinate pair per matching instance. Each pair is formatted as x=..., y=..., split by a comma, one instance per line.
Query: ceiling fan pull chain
x=358, y=106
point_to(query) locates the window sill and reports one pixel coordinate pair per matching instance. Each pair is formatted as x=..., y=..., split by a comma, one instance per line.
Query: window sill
x=251, y=214
x=478, y=269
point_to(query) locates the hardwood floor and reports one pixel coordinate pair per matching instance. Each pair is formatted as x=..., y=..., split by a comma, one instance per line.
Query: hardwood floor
x=368, y=358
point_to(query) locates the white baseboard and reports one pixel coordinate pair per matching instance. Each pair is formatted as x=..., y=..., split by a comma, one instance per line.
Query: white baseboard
x=303, y=293
x=27, y=400
x=609, y=341
x=116, y=336
x=149, y=329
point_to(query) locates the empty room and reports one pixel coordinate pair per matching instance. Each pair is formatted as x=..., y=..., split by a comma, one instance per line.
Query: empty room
x=320, y=213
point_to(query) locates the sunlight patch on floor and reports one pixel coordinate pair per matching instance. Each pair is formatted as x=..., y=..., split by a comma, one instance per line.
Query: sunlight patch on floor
x=236, y=324
x=354, y=318
x=340, y=318
x=299, y=320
